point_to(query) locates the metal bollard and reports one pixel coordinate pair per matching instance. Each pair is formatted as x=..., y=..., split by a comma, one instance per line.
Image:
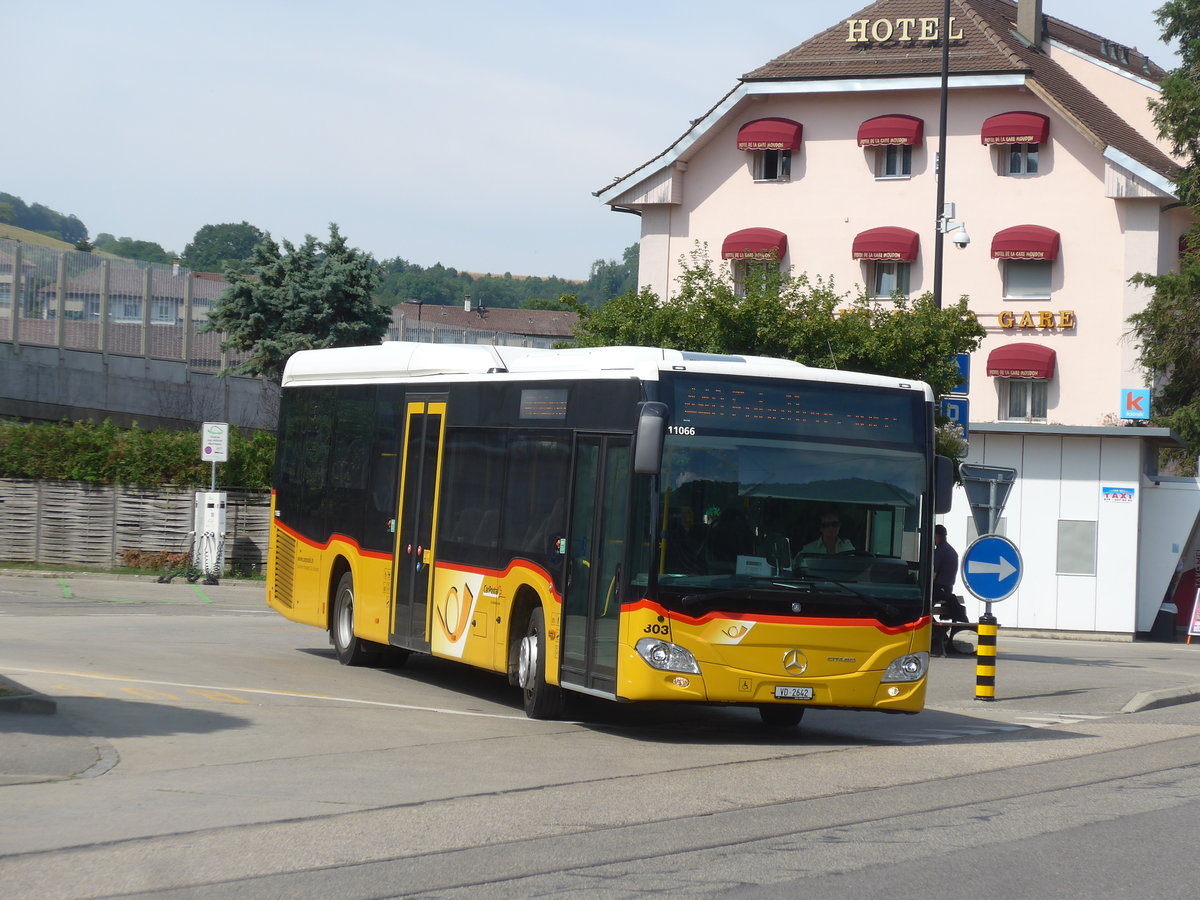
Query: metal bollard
x=985, y=659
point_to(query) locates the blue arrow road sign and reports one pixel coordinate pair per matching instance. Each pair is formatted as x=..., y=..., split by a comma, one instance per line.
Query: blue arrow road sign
x=991, y=568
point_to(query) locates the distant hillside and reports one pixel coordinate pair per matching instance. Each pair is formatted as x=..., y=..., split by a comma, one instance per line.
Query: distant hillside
x=13, y=233
x=520, y=277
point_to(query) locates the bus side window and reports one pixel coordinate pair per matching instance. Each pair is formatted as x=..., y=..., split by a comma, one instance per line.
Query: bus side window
x=538, y=469
x=472, y=486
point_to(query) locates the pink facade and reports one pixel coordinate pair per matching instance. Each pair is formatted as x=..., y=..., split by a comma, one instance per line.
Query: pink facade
x=1098, y=177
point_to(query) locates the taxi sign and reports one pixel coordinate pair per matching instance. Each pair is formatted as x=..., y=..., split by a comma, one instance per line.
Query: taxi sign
x=991, y=568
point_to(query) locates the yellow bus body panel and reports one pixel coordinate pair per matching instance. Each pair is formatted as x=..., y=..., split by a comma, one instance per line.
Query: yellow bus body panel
x=300, y=581
x=472, y=613
x=741, y=660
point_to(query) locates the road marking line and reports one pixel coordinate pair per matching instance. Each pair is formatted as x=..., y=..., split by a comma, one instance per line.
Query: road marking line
x=199, y=593
x=66, y=589
x=274, y=693
x=147, y=694
x=219, y=696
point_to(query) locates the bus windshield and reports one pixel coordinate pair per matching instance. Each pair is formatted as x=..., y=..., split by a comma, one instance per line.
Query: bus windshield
x=828, y=528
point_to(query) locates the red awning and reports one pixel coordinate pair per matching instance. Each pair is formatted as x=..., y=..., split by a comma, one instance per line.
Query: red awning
x=895, y=129
x=1025, y=242
x=770, y=134
x=1016, y=128
x=1021, y=361
x=755, y=243
x=887, y=243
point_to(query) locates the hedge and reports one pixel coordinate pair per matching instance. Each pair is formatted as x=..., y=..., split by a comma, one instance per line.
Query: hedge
x=106, y=454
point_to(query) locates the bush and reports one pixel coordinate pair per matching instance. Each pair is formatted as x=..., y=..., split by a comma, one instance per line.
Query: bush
x=106, y=454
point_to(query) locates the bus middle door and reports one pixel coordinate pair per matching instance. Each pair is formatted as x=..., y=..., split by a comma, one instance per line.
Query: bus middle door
x=592, y=599
x=416, y=520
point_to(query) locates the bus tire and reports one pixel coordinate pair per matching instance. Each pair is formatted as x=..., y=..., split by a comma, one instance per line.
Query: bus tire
x=541, y=700
x=350, y=650
x=778, y=715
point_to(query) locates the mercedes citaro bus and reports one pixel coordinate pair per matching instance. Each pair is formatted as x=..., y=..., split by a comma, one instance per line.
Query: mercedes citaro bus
x=624, y=522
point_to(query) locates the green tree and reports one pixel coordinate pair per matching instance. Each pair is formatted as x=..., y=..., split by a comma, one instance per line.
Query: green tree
x=789, y=317
x=40, y=218
x=214, y=247
x=128, y=248
x=1167, y=330
x=299, y=298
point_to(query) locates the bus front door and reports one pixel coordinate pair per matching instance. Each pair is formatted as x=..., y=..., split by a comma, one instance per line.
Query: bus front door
x=591, y=603
x=416, y=519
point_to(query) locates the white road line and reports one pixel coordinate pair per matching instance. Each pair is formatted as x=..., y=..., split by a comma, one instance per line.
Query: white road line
x=241, y=690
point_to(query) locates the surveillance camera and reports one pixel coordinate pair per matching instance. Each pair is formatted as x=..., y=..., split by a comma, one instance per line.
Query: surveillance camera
x=960, y=238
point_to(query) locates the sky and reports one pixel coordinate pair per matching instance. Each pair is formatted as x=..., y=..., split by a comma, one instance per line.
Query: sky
x=468, y=133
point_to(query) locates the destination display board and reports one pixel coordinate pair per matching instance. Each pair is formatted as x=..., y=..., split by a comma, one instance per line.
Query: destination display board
x=806, y=409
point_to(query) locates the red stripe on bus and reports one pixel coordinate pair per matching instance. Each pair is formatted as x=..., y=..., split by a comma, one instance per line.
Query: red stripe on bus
x=779, y=620
x=370, y=554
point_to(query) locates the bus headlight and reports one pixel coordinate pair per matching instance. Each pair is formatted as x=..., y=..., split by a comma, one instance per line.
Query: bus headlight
x=668, y=657
x=911, y=667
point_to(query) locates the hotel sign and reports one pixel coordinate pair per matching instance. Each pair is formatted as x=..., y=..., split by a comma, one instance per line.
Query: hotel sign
x=768, y=254
x=1015, y=139
x=880, y=31
x=1064, y=318
x=1026, y=253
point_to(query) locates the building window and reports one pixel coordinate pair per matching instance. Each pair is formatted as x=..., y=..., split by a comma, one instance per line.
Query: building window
x=752, y=274
x=1022, y=159
x=772, y=165
x=1022, y=400
x=1076, y=547
x=893, y=161
x=164, y=310
x=126, y=309
x=889, y=278
x=1027, y=279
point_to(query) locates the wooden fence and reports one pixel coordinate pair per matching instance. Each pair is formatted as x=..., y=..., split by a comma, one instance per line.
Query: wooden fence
x=72, y=523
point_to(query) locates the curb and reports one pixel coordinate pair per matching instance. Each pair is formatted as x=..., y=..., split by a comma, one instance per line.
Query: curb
x=1160, y=698
x=20, y=699
x=137, y=575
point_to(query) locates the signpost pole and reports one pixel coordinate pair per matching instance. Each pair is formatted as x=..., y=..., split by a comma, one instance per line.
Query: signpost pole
x=991, y=565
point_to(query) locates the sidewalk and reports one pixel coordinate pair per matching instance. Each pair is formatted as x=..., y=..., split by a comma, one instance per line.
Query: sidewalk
x=1067, y=676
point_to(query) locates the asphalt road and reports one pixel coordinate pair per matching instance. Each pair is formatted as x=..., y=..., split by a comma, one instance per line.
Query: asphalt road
x=205, y=747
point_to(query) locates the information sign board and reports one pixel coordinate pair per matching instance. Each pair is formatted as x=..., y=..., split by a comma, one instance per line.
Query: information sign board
x=214, y=442
x=957, y=410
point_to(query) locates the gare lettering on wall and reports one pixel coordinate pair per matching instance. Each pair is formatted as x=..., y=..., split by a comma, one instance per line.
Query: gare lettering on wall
x=1065, y=318
x=923, y=28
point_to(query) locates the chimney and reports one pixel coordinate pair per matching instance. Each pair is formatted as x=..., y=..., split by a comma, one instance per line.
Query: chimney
x=467, y=303
x=1029, y=21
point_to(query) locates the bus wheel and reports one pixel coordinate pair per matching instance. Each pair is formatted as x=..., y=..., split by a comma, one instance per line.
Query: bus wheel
x=542, y=700
x=780, y=715
x=351, y=651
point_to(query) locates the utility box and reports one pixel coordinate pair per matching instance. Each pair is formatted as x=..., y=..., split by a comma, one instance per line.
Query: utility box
x=208, y=549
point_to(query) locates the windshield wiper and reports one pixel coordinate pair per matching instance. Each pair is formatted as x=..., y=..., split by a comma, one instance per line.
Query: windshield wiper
x=874, y=602
x=742, y=592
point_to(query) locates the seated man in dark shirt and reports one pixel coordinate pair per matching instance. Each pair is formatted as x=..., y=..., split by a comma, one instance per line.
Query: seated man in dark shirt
x=945, y=572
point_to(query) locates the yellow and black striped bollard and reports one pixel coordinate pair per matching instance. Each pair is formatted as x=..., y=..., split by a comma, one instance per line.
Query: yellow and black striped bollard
x=985, y=659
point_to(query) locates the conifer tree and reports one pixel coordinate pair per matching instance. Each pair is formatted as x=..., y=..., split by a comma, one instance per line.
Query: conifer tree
x=299, y=298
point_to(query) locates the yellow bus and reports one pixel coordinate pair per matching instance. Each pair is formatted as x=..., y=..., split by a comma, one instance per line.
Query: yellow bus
x=629, y=523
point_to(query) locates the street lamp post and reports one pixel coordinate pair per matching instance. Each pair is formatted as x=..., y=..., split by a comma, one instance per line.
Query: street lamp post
x=940, y=167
